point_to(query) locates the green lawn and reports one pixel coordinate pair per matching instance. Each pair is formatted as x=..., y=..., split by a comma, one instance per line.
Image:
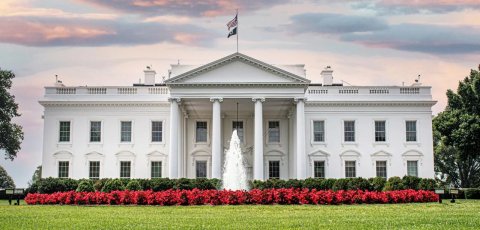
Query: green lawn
x=461, y=215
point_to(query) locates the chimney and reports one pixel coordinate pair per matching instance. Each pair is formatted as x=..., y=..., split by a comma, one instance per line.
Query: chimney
x=149, y=76
x=327, y=75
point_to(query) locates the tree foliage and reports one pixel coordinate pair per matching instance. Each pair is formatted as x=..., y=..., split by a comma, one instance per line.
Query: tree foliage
x=457, y=134
x=37, y=175
x=11, y=134
x=5, y=180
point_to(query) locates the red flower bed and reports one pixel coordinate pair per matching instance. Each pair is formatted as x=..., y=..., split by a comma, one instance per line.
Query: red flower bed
x=226, y=197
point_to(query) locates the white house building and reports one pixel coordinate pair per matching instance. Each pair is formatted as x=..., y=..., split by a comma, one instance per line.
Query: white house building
x=289, y=127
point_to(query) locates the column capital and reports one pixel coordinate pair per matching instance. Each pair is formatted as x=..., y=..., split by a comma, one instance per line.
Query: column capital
x=261, y=99
x=177, y=99
x=219, y=99
x=298, y=99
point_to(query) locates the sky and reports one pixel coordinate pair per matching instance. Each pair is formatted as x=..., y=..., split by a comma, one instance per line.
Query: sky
x=109, y=42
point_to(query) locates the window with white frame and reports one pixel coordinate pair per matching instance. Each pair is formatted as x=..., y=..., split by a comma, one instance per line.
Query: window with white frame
x=319, y=169
x=125, y=169
x=63, y=167
x=201, y=131
x=238, y=125
x=274, y=169
x=380, y=131
x=350, y=170
x=412, y=168
x=94, y=170
x=157, y=131
x=381, y=168
x=274, y=131
x=64, y=131
x=156, y=169
x=318, y=131
x=349, y=131
x=411, y=131
x=201, y=169
x=95, y=131
x=126, y=131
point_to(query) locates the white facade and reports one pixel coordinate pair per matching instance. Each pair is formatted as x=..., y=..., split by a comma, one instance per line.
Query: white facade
x=182, y=127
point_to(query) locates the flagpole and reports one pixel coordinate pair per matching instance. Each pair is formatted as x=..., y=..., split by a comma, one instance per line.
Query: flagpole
x=237, y=30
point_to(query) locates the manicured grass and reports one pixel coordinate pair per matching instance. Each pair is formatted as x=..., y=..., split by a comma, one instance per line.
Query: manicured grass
x=465, y=214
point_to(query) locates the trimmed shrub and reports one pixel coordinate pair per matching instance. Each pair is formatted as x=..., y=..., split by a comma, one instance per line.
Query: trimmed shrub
x=313, y=183
x=113, y=185
x=85, y=186
x=204, y=184
x=98, y=184
x=359, y=183
x=378, y=183
x=472, y=193
x=427, y=184
x=341, y=184
x=133, y=185
x=327, y=184
x=411, y=182
x=161, y=184
x=294, y=183
x=394, y=183
x=183, y=184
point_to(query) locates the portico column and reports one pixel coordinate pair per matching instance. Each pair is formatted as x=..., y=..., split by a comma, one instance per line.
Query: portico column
x=173, y=144
x=258, y=143
x=216, y=138
x=301, y=156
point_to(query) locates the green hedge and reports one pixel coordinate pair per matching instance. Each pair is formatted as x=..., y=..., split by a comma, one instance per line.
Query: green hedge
x=50, y=185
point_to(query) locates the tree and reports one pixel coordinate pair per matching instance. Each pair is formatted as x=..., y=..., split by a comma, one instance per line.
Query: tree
x=37, y=175
x=11, y=134
x=5, y=180
x=457, y=134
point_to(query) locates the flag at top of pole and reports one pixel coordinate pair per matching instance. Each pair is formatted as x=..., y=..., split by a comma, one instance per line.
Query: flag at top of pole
x=233, y=24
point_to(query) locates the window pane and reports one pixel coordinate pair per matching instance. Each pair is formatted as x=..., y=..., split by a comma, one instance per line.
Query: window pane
x=381, y=169
x=201, y=169
x=94, y=170
x=350, y=169
x=125, y=167
x=126, y=131
x=63, y=169
x=238, y=125
x=319, y=131
x=64, y=135
x=201, y=131
x=274, y=131
x=156, y=169
x=319, y=169
x=380, y=134
x=349, y=131
x=274, y=169
x=95, y=131
x=411, y=131
x=412, y=168
x=157, y=131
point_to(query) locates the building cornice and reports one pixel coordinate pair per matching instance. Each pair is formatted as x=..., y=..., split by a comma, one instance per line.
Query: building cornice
x=103, y=104
x=370, y=103
x=236, y=85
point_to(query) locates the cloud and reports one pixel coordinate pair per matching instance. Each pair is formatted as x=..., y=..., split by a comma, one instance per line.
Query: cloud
x=327, y=23
x=35, y=31
x=389, y=7
x=193, y=8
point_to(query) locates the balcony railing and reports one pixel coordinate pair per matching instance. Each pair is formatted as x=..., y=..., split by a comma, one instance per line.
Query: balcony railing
x=81, y=90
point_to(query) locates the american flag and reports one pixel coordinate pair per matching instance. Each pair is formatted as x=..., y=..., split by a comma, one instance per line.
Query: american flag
x=232, y=23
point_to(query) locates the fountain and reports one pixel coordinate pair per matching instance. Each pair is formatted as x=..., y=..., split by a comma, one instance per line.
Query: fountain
x=234, y=172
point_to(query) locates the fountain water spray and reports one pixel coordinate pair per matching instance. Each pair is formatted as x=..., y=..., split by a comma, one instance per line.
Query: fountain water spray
x=234, y=172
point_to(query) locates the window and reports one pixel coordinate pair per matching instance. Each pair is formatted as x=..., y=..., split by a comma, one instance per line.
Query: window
x=318, y=131
x=63, y=169
x=349, y=131
x=350, y=169
x=411, y=130
x=274, y=169
x=126, y=131
x=274, y=131
x=319, y=169
x=95, y=131
x=64, y=135
x=157, y=131
x=238, y=125
x=380, y=135
x=94, y=170
x=201, y=169
x=125, y=168
x=412, y=169
x=381, y=169
x=156, y=169
x=201, y=131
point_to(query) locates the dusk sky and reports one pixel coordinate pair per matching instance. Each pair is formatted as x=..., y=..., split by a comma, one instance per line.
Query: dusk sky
x=109, y=42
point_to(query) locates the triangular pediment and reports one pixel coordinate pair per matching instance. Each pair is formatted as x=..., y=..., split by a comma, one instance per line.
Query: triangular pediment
x=237, y=69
